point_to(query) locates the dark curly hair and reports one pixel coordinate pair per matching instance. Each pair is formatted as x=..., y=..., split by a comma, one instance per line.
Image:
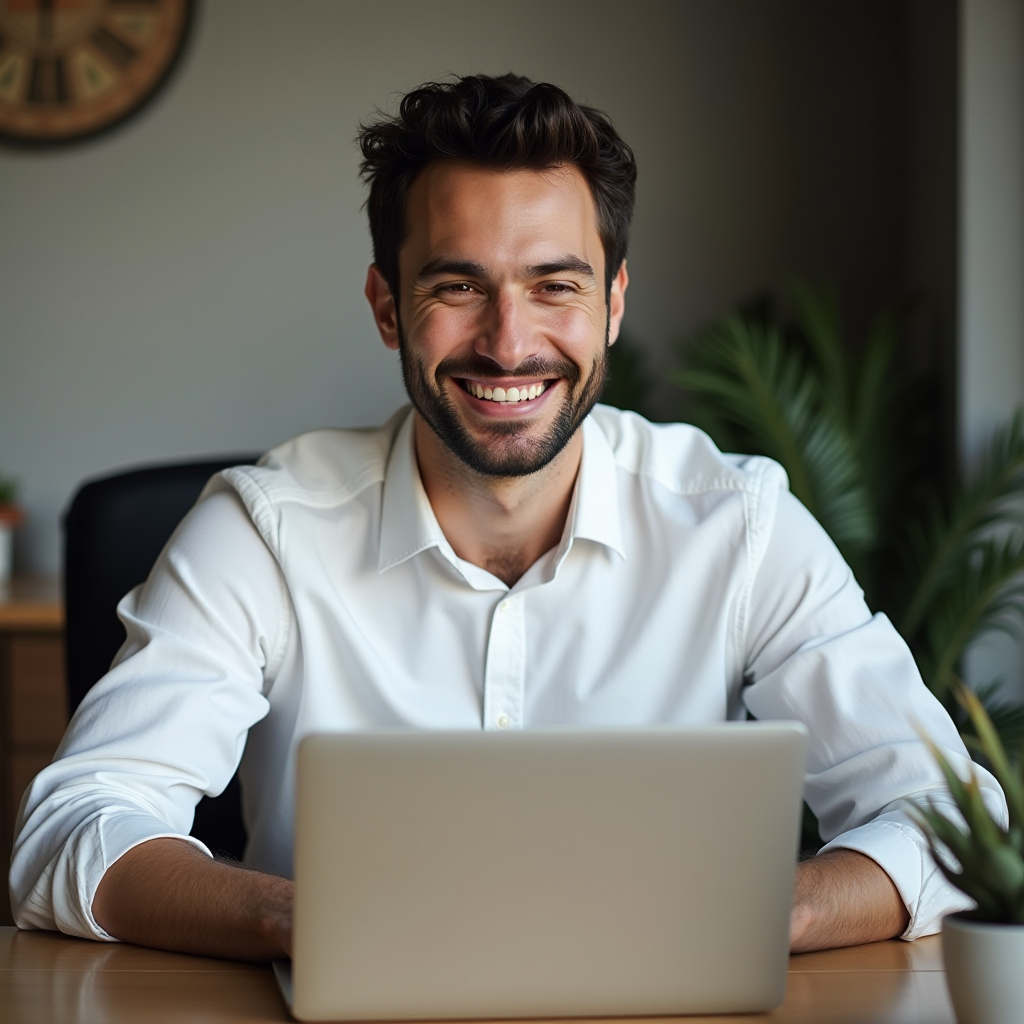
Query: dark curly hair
x=506, y=122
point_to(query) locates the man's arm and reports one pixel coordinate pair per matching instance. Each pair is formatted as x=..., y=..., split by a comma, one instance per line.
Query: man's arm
x=168, y=894
x=165, y=726
x=816, y=654
x=843, y=898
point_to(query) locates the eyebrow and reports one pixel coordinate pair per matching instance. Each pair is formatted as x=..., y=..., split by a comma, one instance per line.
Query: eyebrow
x=573, y=264
x=442, y=265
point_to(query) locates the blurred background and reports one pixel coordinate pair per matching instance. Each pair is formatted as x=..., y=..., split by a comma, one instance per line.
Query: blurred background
x=191, y=282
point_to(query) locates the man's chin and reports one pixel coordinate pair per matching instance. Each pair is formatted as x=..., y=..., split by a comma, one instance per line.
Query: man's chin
x=499, y=447
x=518, y=439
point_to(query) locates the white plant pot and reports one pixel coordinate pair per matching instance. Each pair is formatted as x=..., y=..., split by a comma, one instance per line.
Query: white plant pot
x=984, y=970
x=6, y=548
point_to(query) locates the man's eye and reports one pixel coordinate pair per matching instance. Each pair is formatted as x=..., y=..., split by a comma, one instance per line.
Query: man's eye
x=458, y=288
x=557, y=288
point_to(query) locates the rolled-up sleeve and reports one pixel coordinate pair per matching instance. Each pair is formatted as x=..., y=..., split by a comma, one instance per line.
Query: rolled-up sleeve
x=166, y=726
x=815, y=653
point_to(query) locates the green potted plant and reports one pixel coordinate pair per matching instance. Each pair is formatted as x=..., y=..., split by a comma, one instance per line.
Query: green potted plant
x=983, y=948
x=10, y=517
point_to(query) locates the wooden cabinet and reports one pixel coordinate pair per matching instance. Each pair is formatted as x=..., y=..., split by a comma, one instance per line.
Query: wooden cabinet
x=33, y=698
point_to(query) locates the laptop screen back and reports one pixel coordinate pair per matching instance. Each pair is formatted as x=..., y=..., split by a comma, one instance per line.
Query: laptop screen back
x=470, y=875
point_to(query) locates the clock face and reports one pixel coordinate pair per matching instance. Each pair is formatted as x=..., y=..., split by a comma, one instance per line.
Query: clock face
x=71, y=68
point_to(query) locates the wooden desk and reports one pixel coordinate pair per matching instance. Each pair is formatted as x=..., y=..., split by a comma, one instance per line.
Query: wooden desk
x=49, y=978
x=33, y=700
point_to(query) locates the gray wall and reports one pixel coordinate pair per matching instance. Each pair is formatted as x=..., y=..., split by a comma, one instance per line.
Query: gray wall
x=991, y=378
x=193, y=282
x=992, y=218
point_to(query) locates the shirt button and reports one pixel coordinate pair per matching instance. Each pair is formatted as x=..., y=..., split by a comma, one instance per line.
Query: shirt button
x=503, y=607
x=503, y=721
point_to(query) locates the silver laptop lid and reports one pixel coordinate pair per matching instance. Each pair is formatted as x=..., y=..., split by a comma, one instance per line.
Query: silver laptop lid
x=470, y=875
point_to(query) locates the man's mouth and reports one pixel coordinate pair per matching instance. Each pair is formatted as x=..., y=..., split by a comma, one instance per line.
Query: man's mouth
x=505, y=396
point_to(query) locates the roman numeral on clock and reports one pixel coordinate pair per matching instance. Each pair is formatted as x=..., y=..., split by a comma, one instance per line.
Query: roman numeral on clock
x=115, y=49
x=48, y=82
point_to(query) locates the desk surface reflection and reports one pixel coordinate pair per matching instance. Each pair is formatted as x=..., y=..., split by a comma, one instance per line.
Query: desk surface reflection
x=50, y=978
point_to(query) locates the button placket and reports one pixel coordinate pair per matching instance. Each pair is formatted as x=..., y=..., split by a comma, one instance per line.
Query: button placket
x=505, y=669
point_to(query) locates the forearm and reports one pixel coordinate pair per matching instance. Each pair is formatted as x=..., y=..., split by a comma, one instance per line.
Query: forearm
x=843, y=898
x=167, y=894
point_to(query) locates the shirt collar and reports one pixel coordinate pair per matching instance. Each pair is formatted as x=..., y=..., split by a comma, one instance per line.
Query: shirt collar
x=595, y=505
x=409, y=526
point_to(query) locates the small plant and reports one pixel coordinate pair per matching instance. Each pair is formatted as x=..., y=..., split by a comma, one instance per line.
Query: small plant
x=990, y=858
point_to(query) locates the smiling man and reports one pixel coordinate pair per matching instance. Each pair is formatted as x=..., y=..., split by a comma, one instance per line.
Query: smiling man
x=506, y=554
x=503, y=331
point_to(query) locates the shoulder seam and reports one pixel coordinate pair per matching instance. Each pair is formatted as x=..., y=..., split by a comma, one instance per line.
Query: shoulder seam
x=753, y=499
x=745, y=481
x=314, y=499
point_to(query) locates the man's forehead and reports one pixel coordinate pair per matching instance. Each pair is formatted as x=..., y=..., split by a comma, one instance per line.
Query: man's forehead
x=455, y=209
x=440, y=173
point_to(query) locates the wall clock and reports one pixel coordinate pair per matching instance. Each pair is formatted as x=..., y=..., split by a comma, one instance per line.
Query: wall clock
x=72, y=68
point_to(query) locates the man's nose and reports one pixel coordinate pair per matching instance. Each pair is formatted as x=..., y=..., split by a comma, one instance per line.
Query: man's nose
x=507, y=337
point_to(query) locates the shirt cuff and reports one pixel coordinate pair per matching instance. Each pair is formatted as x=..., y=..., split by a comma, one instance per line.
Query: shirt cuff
x=902, y=853
x=90, y=850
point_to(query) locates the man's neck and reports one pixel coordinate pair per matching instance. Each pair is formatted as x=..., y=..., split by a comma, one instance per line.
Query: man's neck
x=502, y=524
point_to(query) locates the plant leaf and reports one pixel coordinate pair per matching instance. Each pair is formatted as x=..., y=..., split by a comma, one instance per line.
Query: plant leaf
x=944, y=546
x=773, y=399
x=1009, y=779
x=817, y=315
x=1007, y=720
x=986, y=594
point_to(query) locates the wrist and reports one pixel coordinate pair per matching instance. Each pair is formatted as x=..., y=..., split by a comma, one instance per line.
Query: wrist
x=273, y=914
x=843, y=898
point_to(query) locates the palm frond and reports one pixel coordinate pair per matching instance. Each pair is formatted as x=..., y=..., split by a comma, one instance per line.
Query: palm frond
x=1007, y=720
x=817, y=315
x=759, y=387
x=943, y=545
x=986, y=595
x=995, y=752
x=766, y=391
x=874, y=418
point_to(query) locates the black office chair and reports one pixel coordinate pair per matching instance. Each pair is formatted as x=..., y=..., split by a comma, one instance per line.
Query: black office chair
x=114, y=530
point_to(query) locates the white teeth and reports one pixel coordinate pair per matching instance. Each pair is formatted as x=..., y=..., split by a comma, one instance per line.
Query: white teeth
x=509, y=397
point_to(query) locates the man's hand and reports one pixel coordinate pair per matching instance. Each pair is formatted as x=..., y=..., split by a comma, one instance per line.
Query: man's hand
x=843, y=898
x=167, y=894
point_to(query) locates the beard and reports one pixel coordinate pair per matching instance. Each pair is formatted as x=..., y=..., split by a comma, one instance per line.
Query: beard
x=509, y=450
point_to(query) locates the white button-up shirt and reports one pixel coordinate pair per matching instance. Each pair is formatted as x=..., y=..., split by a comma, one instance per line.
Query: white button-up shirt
x=316, y=592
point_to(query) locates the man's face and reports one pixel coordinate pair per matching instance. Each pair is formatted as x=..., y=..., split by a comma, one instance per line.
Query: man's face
x=502, y=320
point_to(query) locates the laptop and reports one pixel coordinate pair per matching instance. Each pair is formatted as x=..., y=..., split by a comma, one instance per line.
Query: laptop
x=544, y=873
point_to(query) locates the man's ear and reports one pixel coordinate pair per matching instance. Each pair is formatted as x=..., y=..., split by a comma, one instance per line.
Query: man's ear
x=617, y=302
x=382, y=302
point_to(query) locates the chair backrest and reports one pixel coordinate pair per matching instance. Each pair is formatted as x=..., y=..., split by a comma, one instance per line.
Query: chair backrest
x=114, y=529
